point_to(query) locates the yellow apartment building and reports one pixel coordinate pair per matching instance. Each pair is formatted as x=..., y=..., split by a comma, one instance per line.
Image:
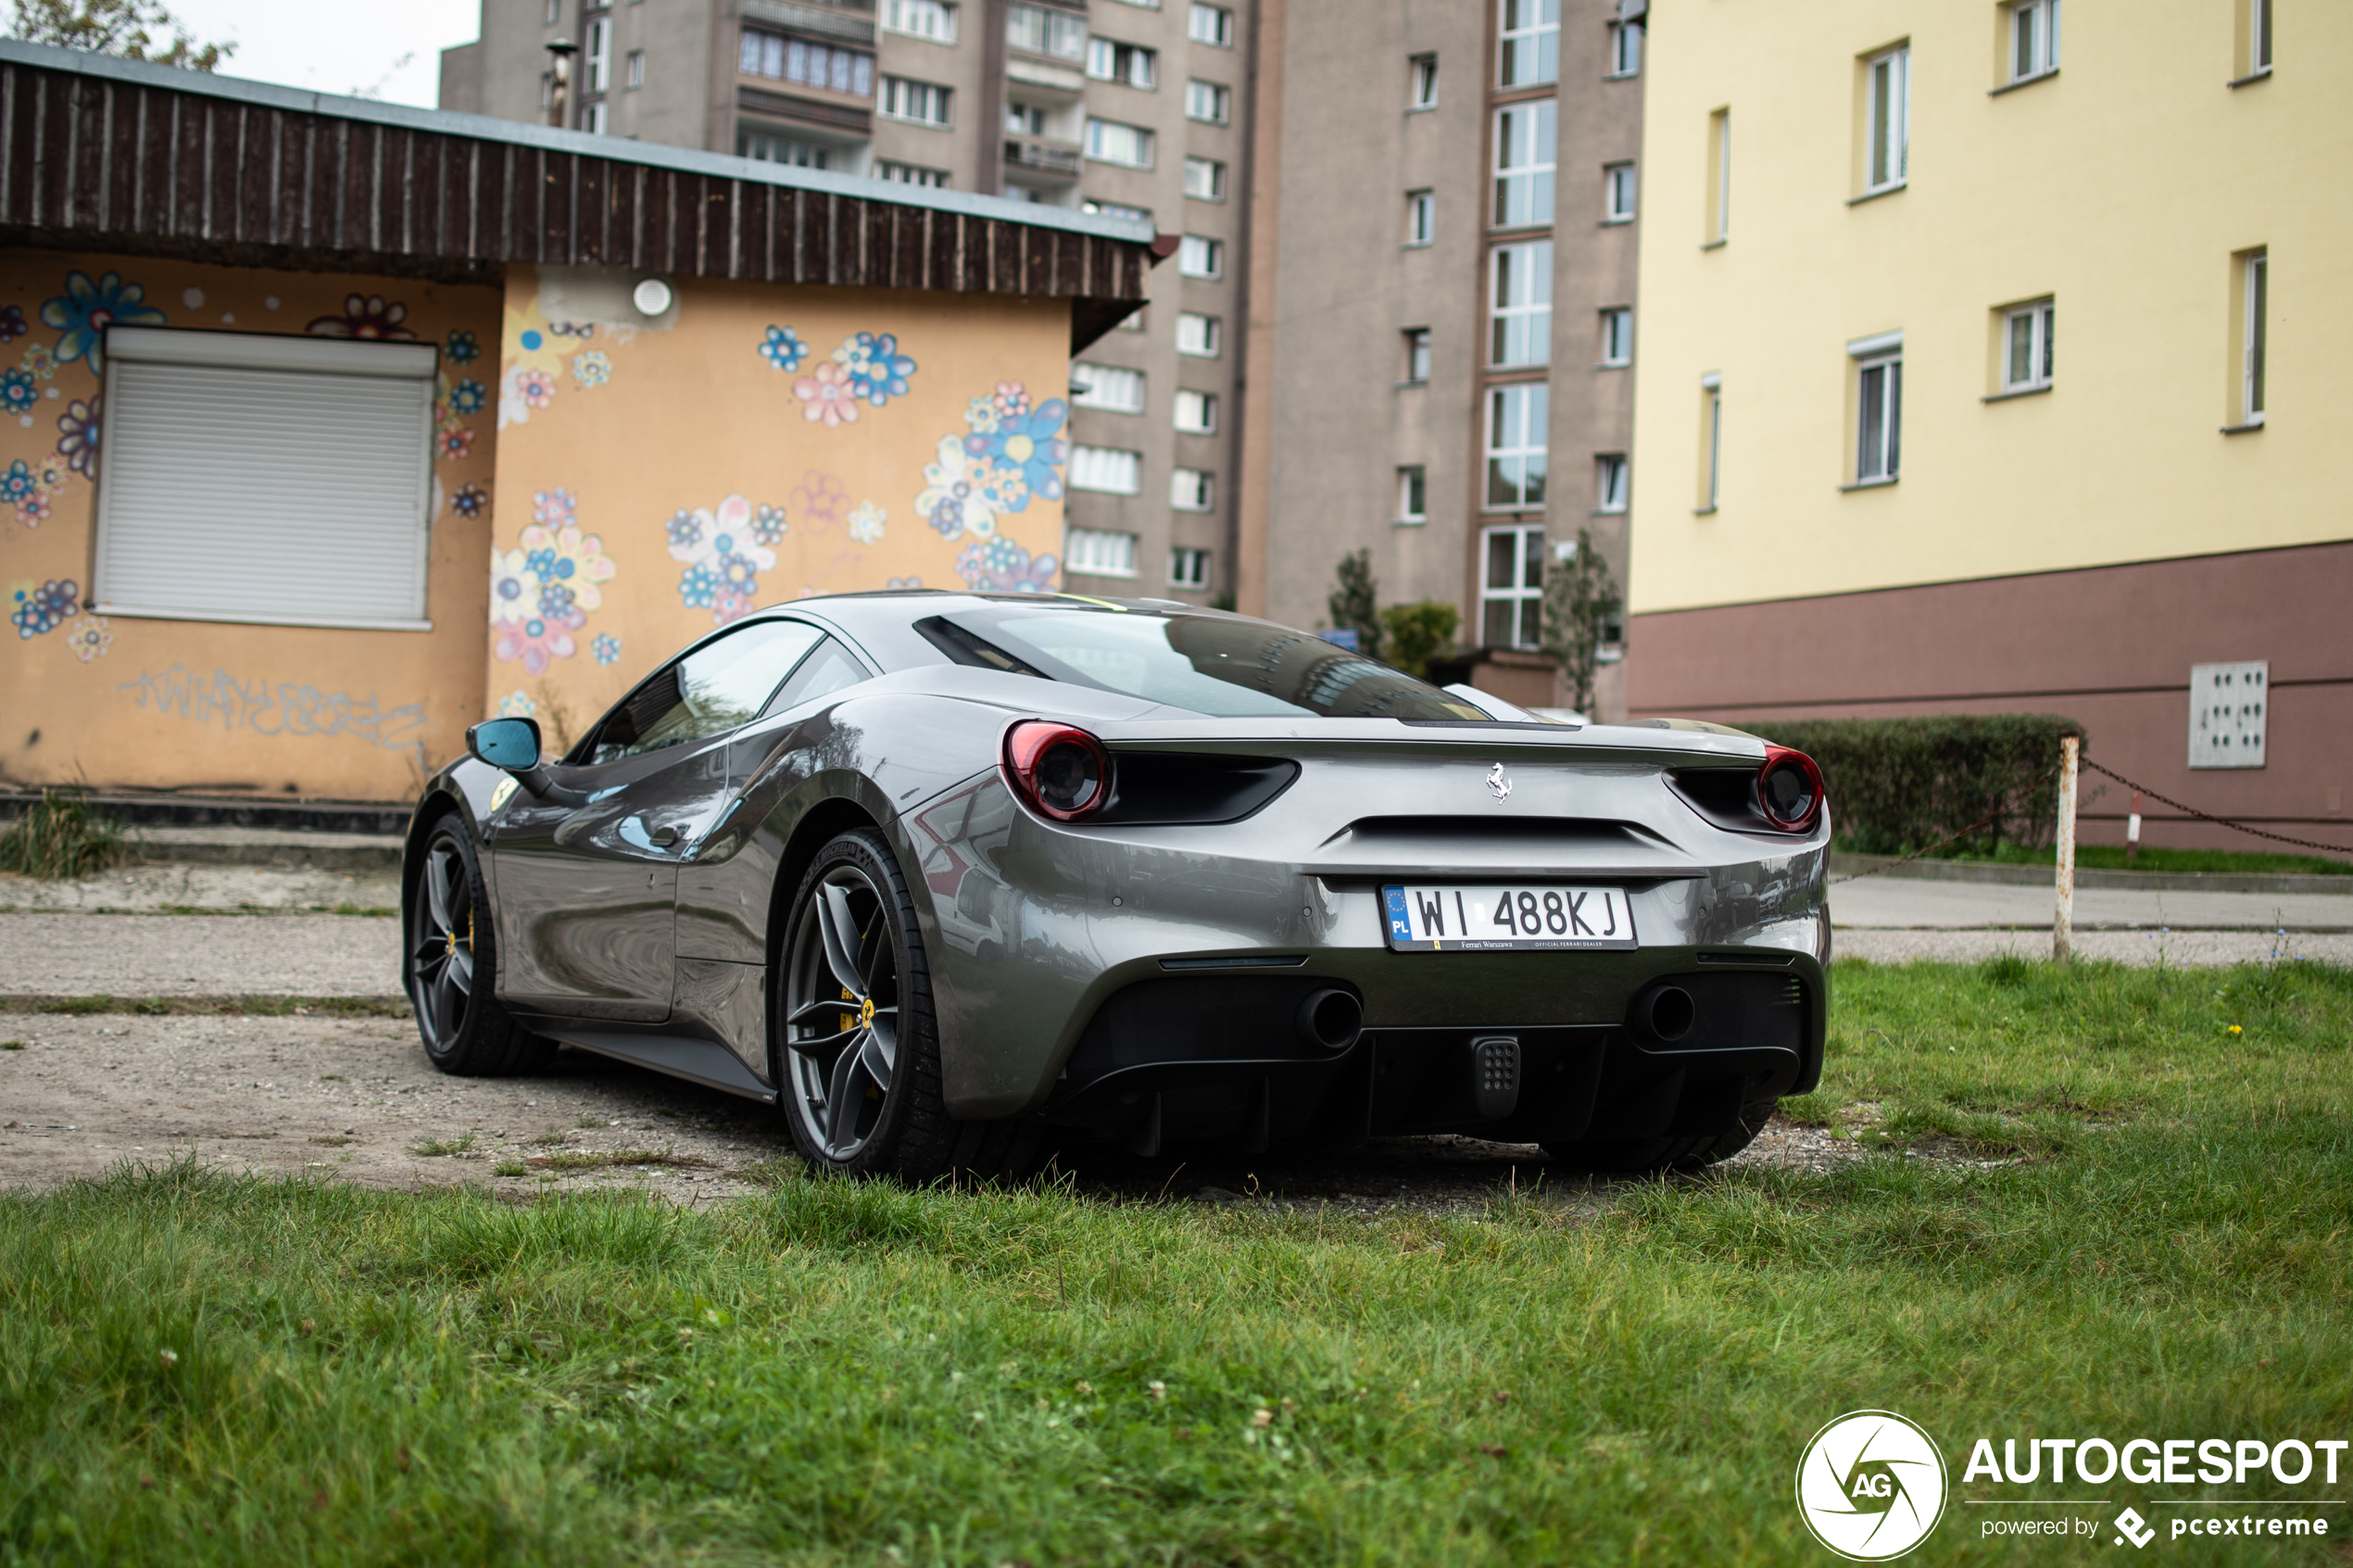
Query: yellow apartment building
x=1984, y=367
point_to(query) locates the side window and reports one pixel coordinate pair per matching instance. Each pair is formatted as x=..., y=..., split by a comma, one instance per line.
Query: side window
x=822, y=674
x=718, y=686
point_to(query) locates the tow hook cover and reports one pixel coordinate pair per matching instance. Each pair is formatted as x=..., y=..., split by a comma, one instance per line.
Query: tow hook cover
x=1495, y=1076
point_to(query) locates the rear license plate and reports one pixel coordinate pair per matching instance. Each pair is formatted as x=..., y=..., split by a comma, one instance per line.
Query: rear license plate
x=1487, y=920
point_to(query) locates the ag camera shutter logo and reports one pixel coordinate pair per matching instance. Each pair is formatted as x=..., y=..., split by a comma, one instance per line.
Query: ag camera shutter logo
x=1871, y=1486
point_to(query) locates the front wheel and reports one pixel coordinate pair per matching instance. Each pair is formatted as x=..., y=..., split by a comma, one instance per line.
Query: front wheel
x=450, y=962
x=855, y=1048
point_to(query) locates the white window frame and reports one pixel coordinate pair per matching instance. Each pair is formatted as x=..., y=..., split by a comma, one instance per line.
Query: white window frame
x=1421, y=218
x=784, y=150
x=2029, y=327
x=931, y=20
x=1413, y=495
x=2033, y=39
x=1711, y=387
x=1111, y=389
x=1189, y=569
x=230, y=519
x=1878, y=460
x=1625, y=50
x=1059, y=35
x=1524, y=595
x=1193, y=490
x=1103, y=134
x=1416, y=355
x=1519, y=304
x=1618, y=193
x=1106, y=471
x=910, y=174
x=594, y=117
x=1195, y=412
x=1204, y=179
x=2258, y=37
x=1527, y=139
x=1720, y=123
x=1617, y=337
x=633, y=73
x=1528, y=31
x=1098, y=552
x=1612, y=475
x=1887, y=119
x=1116, y=209
x=1199, y=335
x=1212, y=25
x=2254, y=370
x=1104, y=57
x=905, y=99
x=597, y=56
x=1200, y=255
x=1517, y=416
x=1210, y=103
x=1421, y=84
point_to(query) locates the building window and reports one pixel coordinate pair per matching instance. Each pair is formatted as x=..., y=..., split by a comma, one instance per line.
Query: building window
x=1205, y=179
x=1206, y=101
x=1625, y=48
x=1197, y=334
x=636, y=74
x=1109, y=141
x=1137, y=319
x=1512, y=597
x=1520, y=305
x=593, y=119
x=1042, y=29
x=1413, y=493
x=1108, y=387
x=1515, y=417
x=1097, y=552
x=1416, y=355
x=1609, y=482
x=2256, y=334
x=1617, y=336
x=555, y=12
x=1192, y=490
x=783, y=149
x=2034, y=38
x=1887, y=118
x=921, y=18
x=2258, y=37
x=1114, y=210
x=1128, y=63
x=812, y=65
x=1711, y=412
x=1106, y=471
x=1524, y=143
x=1878, y=400
x=1189, y=569
x=1719, y=177
x=1421, y=216
x=1197, y=413
x=2026, y=346
x=597, y=56
x=1530, y=45
x=1212, y=25
x=1421, y=82
x=921, y=102
x=912, y=174
x=1617, y=192
x=1200, y=257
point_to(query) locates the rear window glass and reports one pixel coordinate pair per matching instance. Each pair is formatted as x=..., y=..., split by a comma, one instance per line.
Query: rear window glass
x=1225, y=666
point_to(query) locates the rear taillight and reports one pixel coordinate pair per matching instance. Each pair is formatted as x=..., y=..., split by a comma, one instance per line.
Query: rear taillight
x=1058, y=772
x=1789, y=790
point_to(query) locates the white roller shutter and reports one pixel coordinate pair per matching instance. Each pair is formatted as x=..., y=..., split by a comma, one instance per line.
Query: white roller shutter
x=279, y=480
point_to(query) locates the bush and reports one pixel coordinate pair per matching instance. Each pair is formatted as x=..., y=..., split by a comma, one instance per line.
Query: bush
x=1413, y=634
x=61, y=835
x=1900, y=785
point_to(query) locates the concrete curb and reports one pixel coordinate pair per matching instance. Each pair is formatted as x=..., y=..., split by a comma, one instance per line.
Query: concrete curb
x=280, y=849
x=2043, y=876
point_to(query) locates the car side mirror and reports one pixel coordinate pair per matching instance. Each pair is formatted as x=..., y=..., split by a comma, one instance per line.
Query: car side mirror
x=509, y=744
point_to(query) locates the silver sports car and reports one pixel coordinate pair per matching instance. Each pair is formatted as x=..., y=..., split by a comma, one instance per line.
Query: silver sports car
x=951, y=876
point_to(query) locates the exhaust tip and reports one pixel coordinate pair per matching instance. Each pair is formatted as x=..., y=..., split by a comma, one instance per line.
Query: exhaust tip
x=1665, y=1013
x=1330, y=1019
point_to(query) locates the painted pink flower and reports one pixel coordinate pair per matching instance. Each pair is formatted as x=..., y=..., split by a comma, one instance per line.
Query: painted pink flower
x=456, y=443
x=728, y=604
x=365, y=316
x=822, y=502
x=828, y=395
x=33, y=511
x=538, y=388
x=540, y=639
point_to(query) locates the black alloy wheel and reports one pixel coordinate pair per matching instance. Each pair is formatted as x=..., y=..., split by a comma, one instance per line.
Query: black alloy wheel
x=450, y=964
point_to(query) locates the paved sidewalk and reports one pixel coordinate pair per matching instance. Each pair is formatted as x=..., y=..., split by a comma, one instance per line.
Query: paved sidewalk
x=1892, y=903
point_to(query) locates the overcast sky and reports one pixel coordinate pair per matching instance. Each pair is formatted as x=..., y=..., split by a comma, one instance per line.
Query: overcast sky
x=388, y=49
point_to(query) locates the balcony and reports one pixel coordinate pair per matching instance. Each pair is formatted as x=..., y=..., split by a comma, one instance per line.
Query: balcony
x=1043, y=155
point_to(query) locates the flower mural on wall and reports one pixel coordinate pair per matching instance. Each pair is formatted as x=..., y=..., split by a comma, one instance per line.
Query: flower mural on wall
x=821, y=500
x=782, y=348
x=19, y=484
x=1024, y=440
x=535, y=351
x=17, y=391
x=606, y=648
x=455, y=444
x=77, y=437
x=469, y=396
x=724, y=557
x=91, y=638
x=86, y=309
x=878, y=371
x=537, y=640
x=998, y=565
x=461, y=348
x=469, y=500
x=533, y=389
x=569, y=563
x=517, y=705
x=768, y=524
x=867, y=368
x=826, y=395
x=1009, y=452
x=369, y=317
x=12, y=323
x=36, y=608
x=542, y=590
x=554, y=508
x=592, y=369
x=40, y=361
x=867, y=523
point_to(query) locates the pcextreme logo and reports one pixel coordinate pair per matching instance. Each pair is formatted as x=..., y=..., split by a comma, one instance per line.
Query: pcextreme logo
x=1871, y=1486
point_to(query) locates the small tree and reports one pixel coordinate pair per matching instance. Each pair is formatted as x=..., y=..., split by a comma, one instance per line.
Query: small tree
x=1418, y=632
x=131, y=29
x=1580, y=601
x=1352, y=604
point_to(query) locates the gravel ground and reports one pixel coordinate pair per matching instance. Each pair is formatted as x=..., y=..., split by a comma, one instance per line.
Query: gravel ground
x=225, y=889
x=146, y=955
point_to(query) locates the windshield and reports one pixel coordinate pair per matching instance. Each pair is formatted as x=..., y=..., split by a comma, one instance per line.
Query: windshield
x=1225, y=666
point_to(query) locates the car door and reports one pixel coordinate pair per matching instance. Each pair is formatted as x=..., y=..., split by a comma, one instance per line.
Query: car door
x=587, y=883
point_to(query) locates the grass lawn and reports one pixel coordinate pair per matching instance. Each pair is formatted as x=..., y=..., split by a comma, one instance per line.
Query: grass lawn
x=202, y=1370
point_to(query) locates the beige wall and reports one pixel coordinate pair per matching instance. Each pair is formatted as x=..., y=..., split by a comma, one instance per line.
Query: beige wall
x=168, y=704
x=2122, y=186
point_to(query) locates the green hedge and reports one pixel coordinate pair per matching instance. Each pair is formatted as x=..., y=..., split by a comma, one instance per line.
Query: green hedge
x=1897, y=784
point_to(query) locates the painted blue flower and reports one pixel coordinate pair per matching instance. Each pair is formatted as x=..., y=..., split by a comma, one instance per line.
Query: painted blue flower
x=555, y=600
x=606, y=647
x=12, y=323
x=464, y=349
x=542, y=564
x=768, y=524
x=45, y=608
x=739, y=573
x=685, y=530
x=469, y=500
x=17, y=392
x=878, y=371
x=19, y=485
x=1027, y=442
x=697, y=585
x=783, y=348
x=85, y=311
x=469, y=396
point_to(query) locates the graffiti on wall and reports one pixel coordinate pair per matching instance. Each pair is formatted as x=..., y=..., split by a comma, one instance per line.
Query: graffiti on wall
x=285, y=707
x=867, y=368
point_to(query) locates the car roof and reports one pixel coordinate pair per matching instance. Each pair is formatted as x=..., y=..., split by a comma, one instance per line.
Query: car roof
x=883, y=620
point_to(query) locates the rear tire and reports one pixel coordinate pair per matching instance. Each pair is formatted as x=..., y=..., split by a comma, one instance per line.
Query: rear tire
x=451, y=966
x=859, y=1075
x=1687, y=1151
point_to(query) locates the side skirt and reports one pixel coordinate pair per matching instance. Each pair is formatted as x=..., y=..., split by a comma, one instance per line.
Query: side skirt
x=698, y=1061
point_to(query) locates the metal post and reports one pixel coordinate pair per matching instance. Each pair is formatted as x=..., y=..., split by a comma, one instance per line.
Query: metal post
x=2063, y=920
x=2133, y=832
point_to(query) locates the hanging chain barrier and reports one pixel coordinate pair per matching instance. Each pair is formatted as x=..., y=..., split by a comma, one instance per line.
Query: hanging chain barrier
x=2218, y=821
x=1986, y=820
